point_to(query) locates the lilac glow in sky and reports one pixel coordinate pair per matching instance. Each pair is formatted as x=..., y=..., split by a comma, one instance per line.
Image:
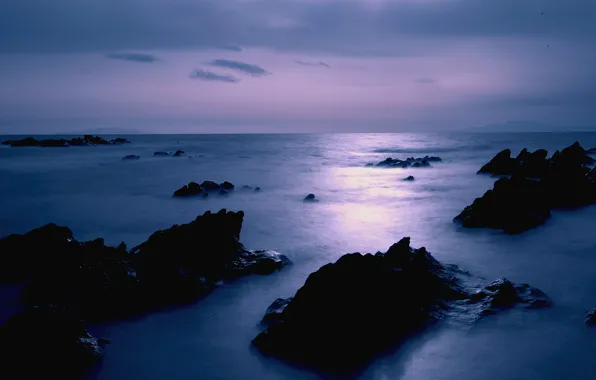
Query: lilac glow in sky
x=289, y=65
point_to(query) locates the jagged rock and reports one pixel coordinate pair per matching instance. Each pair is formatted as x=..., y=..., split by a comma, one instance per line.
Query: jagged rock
x=131, y=157
x=173, y=266
x=161, y=154
x=192, y=188
x=349, y=311
x=47, y=342
x=590, y=318
x=310, y=198
x=519, y=203
x=178, y=153
x=416, y=162
x=227, y=186
x=409, y=178
x=210, y=186
x=514, y=205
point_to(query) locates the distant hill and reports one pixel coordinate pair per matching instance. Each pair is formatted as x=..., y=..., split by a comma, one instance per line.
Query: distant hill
x=529, y=126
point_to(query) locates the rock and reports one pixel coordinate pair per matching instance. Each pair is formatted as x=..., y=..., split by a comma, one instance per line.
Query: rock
x=179, y=153
x=409, y=178
x=161, y=154
x=28, y=141
x=502, y=163
x=223, y=192
x=257, y=189
x=47, y=342
x=590, y=318
x=227, y=186
x=514, y=205
x=210, y=186
x=246, y=187
x=131, y=157
x=362, y=305
x=310, y=198
x=173, y=266
x=61, y=143
x=120, y=140
x=191, y=189
x=186, y=261
x=416, y=162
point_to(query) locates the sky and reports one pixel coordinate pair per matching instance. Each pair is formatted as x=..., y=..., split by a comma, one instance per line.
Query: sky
x=194, y=66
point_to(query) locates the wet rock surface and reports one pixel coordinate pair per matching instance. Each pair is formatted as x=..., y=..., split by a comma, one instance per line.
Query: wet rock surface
x=77, y=141
x=537, y=185
x=349, y=311
x=47, y=342
x=415, y=162
x=196, y=189
x=173, y=266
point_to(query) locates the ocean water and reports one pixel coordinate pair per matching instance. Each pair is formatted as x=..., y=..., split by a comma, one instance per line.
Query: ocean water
x=97, y=194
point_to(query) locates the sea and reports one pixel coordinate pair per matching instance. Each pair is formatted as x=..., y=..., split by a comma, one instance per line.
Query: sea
x=96, y=193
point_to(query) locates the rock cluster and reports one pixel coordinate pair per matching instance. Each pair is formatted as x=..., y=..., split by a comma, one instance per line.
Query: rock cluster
x=414, y=162
x=349, y=311
x=536, y=185
x=77, y=141
x=206, y=187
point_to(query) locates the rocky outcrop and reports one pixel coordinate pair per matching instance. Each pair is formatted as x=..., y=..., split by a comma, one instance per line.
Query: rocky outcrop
x=47, y=342
x=77, y=141
x=537, y=185
x=590, y=318
x=349, y=311
x=513, y=205
x=310, y=198
x=178, y=153
x=420, y=162
x=409, y=178
x=536, y=164
x=173, y=266
x=206, y=187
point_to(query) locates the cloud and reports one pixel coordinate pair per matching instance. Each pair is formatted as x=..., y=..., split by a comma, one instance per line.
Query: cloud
x=232, y=48
x=320, y=64
x=247, y=68
x=133, y=57
x=425, y=80
x=212, y=77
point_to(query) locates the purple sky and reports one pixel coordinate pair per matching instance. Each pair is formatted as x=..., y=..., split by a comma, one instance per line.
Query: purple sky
x=295, y=65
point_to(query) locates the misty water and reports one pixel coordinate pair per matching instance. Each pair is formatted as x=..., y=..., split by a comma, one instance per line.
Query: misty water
x=97, y=194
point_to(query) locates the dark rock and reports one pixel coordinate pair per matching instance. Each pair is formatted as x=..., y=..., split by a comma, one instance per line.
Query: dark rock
x=223, y=192
x=502, y=163
x=590, y=318
x=257, y=189
x=173, y=266
x=61, y=143
x=191, y=189
x=310, y=198
x=47, y=342
x=161, y=154
x=416, y=162
x=28, y=141
x=210, y=186
x=227, y=186
x=131, y=157
x=349, y=311
x=409, y=178
x=514, y=205
x=179, y=153
x=246, y=187
x=119, y=140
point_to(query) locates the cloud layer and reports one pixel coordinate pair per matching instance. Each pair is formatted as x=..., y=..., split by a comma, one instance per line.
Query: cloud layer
x=246, y=68
x=212, y=77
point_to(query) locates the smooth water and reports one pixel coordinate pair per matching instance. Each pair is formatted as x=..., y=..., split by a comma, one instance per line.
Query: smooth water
x=97, y=194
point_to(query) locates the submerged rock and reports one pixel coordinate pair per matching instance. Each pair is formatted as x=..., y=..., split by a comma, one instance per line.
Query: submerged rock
x=173, y=266
x=349, y=311
x=194, y=188
x=415, y=162
x=310, y=198
x=590, y=318
x=131, y=157
x=47, y=342
x=161, y=154
x=409, y=178
x=178, y=153
x=191, y=189
x=228, y=186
